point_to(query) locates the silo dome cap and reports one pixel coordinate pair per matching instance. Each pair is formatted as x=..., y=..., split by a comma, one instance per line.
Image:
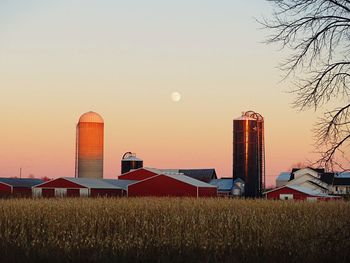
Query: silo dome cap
x=131, y=158
x=91, y=117
x=245, y=118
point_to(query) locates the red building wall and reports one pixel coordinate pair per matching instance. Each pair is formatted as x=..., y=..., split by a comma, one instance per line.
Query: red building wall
x=285, y=190
x=162, y=185
x=5, y=190
x=207, y=192
x=48, y=193
x=106, y=192
x=22, y=191
x=73, y=192
x=60, y=183
x=140, y=174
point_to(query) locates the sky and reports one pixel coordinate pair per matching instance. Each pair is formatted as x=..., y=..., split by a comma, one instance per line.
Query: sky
x=124, y=59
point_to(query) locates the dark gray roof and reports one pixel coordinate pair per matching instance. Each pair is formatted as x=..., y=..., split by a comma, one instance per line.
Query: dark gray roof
x=223, y=184
x=21, y=182
x=336, y=178
x=327, y=178
x=341, y=181
x=120, y=183
x=318, y=170
x=200, y=174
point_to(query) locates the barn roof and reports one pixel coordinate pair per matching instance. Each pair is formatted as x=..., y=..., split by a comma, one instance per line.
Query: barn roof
x=318, y=170
x=284, y=176
x=336, y=178
x=92, y=183
x=343, y=175
x=120, y=183
x=158, y=171
x=199, y=174
x=316, y=184
x=189, y=180
x=223, y=184
x=327, y=178
x=341, y=180
x=21, y=182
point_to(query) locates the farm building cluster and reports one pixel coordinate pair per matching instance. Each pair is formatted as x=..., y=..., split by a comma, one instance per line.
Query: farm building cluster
x=248, y=172
x=300, y=184
x=248, y=175
x=135, y=183
x=310, y=184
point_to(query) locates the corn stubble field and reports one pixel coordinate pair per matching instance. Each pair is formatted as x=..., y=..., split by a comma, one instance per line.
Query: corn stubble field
x=173, y=230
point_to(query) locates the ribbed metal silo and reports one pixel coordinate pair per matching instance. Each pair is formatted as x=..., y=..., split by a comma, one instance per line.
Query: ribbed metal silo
x=89, y=146
x=130, y=162
x=249, y=152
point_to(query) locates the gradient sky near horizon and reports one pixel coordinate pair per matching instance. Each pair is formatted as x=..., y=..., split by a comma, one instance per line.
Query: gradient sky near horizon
x=123, y=59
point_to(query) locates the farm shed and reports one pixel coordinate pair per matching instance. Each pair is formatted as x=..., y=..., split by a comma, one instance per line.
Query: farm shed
x=295, y=192
x=224, y=185
x=171, y=185
x=205, y=175
x=228, y=186
x=76, y=187
x=120, y=183
x=18, y=186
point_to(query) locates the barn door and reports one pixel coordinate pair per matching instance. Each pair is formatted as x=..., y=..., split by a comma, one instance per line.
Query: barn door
x=48, y=193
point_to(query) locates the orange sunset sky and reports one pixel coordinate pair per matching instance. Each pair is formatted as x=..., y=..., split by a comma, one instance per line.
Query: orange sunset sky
x=123, y=59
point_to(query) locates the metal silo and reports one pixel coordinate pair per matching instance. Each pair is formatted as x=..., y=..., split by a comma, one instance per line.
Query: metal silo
x=249, y=152
x=130, y=162
x=89, y=146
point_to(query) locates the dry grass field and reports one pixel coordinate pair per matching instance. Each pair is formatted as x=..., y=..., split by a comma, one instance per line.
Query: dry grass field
x=173, y=230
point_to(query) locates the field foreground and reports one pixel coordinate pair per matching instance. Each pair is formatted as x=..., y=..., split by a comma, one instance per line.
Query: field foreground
x=173, y=230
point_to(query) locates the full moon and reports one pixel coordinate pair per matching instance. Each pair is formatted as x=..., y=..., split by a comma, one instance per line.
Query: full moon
x=175, y=96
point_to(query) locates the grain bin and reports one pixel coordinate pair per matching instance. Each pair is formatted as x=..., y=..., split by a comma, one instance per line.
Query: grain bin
x=130, y=162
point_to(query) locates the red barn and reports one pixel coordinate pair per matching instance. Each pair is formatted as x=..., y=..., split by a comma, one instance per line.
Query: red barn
x=171, y=185
x=75, y=187
x=205, y=175
x=18, y=187
x=140, y=174
x=295, y=192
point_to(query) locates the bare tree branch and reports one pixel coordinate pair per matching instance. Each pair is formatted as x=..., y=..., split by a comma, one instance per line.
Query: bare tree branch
x=317, y=32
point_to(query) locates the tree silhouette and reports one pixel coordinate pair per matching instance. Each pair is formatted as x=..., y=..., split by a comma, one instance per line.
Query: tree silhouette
x=317, y=32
